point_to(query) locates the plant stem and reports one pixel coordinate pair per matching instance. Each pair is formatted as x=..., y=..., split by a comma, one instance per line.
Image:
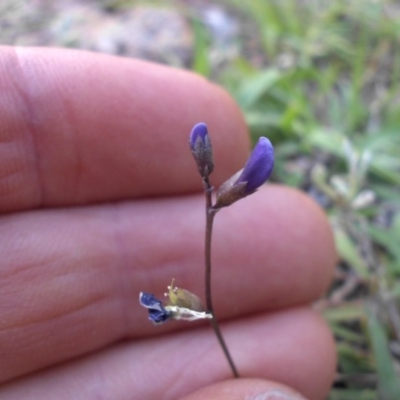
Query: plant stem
x=210, y=214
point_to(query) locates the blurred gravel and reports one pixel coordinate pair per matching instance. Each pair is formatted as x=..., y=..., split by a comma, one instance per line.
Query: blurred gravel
x=162, y=33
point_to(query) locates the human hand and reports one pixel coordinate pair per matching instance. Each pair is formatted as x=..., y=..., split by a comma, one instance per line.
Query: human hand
x=100, y=199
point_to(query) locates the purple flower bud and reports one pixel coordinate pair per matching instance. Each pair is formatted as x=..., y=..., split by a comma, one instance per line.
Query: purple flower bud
x=157, y=313
x=200, y=145
x=259, y=166
x=257, y=170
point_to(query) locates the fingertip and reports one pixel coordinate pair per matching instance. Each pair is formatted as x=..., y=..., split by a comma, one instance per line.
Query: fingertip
x=317, y=231
x=323, y=365
x=289, y=249
x=310, y=223
x=245, y=389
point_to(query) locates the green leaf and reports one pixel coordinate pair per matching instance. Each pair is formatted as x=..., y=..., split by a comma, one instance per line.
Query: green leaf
x=201, y=62
x=347, y=334
x=388, y=381
x=353, y=360
x=387, y=192
x=352, y=394
x=388, y=238
x=348, y=251
x=396, y=290
x=328, y=140
x=256, y=86
x=348, y=311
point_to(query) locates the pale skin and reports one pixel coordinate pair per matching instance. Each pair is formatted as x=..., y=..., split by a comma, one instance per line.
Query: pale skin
x=100, y=199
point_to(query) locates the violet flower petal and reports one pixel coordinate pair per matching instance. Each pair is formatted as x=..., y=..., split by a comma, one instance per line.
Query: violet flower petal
x=259, y=166
x=198, y=131
x=200, y=145
x=157, y=313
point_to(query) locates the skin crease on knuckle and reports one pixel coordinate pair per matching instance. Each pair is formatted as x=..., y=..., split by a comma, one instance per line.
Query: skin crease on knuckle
x=23, y=189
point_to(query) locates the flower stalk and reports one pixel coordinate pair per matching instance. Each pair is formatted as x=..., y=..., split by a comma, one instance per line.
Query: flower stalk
x=210, y=214
x=183, y=305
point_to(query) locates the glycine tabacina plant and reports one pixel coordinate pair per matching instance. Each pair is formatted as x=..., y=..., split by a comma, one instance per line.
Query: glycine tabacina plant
x=182, y=304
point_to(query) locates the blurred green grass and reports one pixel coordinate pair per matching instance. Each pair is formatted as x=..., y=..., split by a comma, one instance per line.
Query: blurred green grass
x=327, y=93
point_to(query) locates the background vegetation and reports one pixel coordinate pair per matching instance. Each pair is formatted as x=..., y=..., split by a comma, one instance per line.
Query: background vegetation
x=327, y=94
x=321, y=78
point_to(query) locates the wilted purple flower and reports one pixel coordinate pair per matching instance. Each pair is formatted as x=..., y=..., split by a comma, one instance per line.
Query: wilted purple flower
x=200, y=145
x=157, y=313
x=183, y=306
x=257, y=170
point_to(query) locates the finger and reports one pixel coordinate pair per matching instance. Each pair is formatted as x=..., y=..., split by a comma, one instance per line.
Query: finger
x=245, y=389
x=70, y=279
x=292, y=347
x=78, y=127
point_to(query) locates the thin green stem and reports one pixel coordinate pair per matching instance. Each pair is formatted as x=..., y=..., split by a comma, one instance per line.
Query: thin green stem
x=210, y=214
